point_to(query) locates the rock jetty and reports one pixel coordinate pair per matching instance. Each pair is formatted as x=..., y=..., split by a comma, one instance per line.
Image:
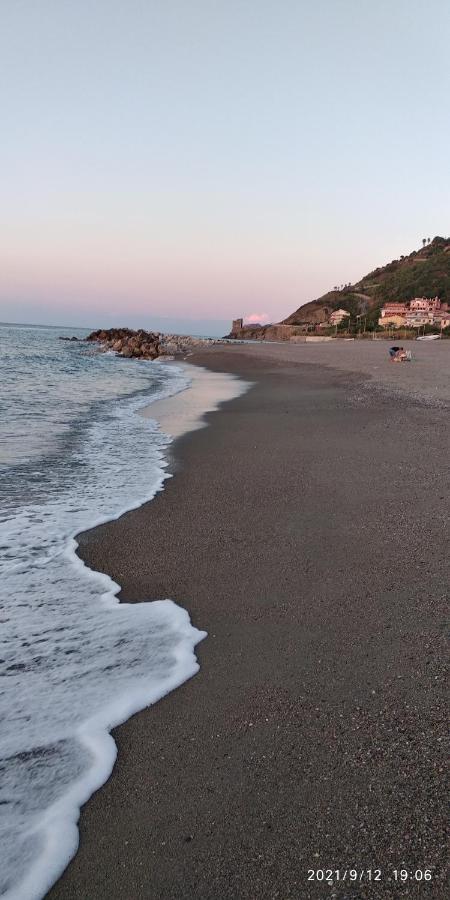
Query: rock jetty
x=147, y=344
x=126, y=342
x=174, y=344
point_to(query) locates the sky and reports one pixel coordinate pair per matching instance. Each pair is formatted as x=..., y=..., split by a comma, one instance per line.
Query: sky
x=187, y=162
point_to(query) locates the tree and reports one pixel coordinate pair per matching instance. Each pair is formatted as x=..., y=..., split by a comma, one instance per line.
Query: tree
x=424, y=240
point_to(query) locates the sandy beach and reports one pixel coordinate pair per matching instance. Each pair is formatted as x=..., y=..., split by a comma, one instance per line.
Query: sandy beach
x=306, y=530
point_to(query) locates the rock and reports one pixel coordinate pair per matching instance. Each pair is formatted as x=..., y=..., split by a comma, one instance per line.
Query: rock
x=147, y=344
x=169, y=348
x=184, y=343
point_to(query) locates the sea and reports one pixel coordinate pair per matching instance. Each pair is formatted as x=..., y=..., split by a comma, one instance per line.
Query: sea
x=74, y=662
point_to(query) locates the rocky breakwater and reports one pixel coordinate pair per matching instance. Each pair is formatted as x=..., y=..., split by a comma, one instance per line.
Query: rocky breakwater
x=126, y=342
x=147, y=344
x=176, y=344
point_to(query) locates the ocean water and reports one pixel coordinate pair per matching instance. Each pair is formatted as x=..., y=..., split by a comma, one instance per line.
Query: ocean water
x=73, y=661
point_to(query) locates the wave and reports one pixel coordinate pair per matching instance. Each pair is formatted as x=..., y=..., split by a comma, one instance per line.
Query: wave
x=75, y=661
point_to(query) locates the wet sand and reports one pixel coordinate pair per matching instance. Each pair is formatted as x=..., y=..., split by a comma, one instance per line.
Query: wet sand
x=186, y=412
x=306, y=531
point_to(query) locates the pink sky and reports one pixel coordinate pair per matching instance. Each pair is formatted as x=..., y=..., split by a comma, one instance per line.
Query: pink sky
x=117, y=272
x=180, y=158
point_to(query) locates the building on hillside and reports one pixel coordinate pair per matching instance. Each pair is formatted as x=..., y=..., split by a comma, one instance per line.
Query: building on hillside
x=420, y=311
x=394, y=309
x=338, y=316
x=393, y=315
x=427, y=311
x=417, y=318
x=236, y=325
x=427, y=305
x=392, y=321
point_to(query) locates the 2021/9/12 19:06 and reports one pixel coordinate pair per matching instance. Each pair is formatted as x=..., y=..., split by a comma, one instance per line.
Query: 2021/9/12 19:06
x=331, y=876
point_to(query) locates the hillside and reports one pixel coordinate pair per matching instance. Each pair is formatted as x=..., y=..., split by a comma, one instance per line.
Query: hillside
x=424, y=273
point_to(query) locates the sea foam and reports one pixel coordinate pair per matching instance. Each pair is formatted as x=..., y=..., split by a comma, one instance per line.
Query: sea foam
x=75, y=662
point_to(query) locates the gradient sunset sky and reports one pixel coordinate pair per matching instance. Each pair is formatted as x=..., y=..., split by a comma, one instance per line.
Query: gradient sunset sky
x=191, y=161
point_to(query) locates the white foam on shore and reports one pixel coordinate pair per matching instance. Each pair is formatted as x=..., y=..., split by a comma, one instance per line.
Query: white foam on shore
x=75, y=661
x=208, y=390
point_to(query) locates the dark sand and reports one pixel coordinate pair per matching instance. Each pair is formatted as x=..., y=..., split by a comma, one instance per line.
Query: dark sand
x=305, y=530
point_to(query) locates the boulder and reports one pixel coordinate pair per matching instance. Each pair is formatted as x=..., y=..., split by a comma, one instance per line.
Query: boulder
x=147, y=344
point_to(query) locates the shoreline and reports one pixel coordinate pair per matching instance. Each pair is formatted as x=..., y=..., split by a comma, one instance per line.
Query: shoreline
x=216, y=789
x=178, y=415
x=57, y=826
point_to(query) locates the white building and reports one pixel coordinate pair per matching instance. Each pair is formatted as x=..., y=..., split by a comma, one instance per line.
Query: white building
x=338, y=316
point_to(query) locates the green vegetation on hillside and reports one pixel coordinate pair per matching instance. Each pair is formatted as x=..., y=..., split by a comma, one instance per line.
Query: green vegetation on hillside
x=424, y=273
